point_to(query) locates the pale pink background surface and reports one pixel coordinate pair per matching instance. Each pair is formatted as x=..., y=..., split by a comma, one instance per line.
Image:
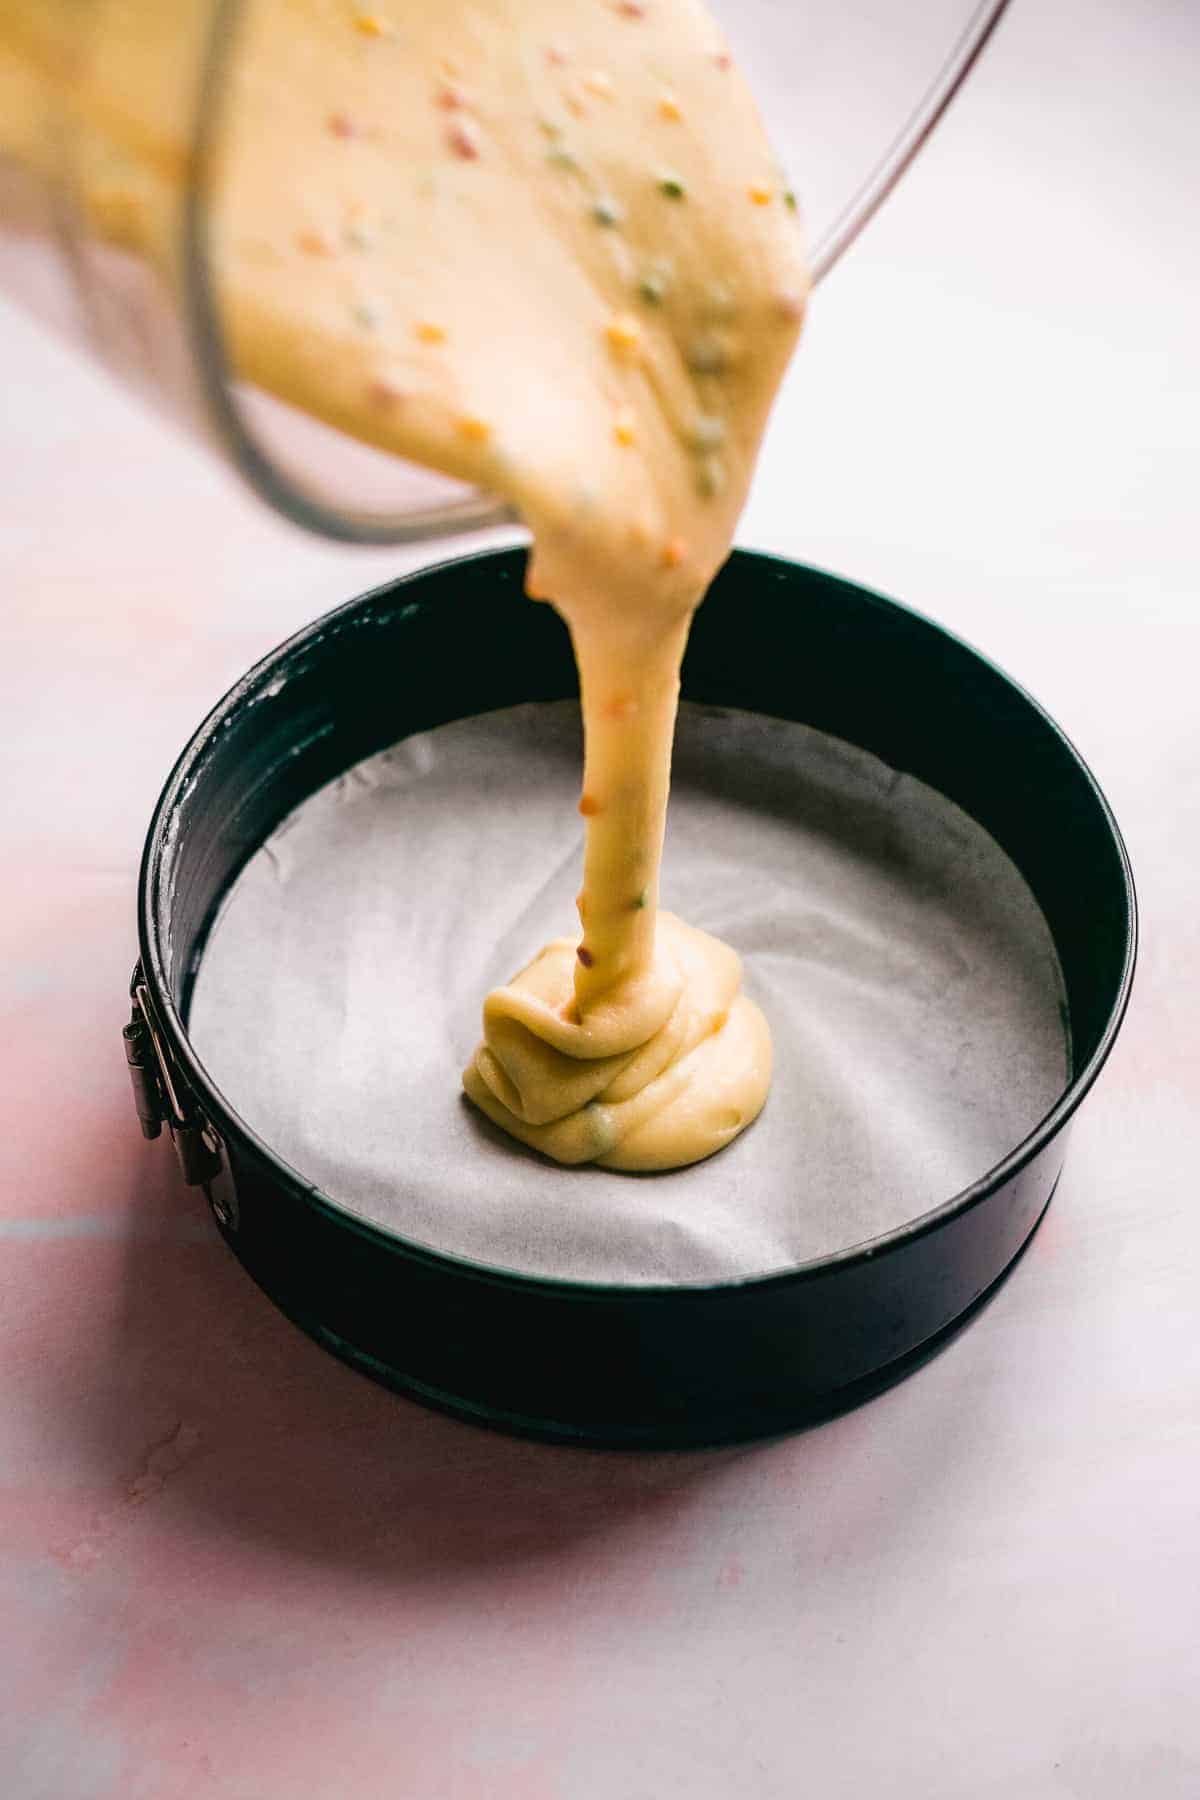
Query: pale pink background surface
x=231, y=1569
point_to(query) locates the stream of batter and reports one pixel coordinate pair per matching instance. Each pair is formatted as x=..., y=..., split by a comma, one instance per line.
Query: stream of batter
x=542, y=245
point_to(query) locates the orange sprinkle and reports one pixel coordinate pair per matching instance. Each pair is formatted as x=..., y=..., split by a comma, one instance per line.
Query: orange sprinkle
x=556, y=56
x=383, y=395
x=598, y=83
x=340, y=125
x=370, y=24
x=719, y=1021
x=631, y=9
x=722, y=59
x=790, y=306
x=575, y=105
x=623, y=333
x=673, y=552
x=623, y=429
x=313, y=243
x=669, y=108
x=429, y=333
x=463, y=139
x=473, y=428
x=761, y=196
x=451, y=98
x=620, y=706
x=589, y=806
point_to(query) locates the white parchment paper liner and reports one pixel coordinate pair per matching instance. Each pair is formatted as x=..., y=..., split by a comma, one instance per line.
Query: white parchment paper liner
x=909, y=977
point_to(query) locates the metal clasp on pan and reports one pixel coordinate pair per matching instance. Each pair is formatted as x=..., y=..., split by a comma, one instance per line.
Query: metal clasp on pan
x=161, y=1098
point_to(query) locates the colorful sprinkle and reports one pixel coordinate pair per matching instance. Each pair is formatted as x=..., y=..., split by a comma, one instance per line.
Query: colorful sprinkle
x=761, y=196
x=707, y=356
x=607, y=212
x=673, y=552
x=473, y=428
x=639, y=901
x=463, y=139
x=669, y=108
x=598, y=83
x=722, y=59
x=623, y=333
x=384, y=395
x=719, y=1021
x=451, y=98
x=652, y=287
x=575, y=105
x=429, y=333
x=671, y=186
x=366, y=315
x=556, y=56
x=708, y=431
x=790, y=306
x=585, y=956
x=356, y=238
x=710, y=476
x=370, y=24
x=341, y=126
x=313, y=243
x=549, y=128
x=624, y=430
x=631, y=9
x=620, y=706
x=561, y=158
x=790, y=201
x=589, y=806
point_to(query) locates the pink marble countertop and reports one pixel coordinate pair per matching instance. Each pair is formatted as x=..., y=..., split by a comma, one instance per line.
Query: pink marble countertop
x=231, y=1568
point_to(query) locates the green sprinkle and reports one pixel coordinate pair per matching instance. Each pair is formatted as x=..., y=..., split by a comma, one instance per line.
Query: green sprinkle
x=549, y=129
x=600, y=1127
x=561, y=157
x=708, y=431
x=710, y=476
x=639, y=901
x=789, y=200
x=654, y=281
x=366, y=316
x=607, y=212
x=671, y=186
x=707, y=356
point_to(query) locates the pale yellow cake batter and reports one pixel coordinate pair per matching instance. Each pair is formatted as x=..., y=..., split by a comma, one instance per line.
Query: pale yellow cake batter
x=542, y=245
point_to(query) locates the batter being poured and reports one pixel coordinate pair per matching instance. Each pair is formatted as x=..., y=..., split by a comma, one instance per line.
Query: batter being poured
x=544, y=247
x=547, y=248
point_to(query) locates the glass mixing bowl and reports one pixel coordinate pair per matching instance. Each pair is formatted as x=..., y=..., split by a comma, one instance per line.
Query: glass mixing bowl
x=850, y=92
